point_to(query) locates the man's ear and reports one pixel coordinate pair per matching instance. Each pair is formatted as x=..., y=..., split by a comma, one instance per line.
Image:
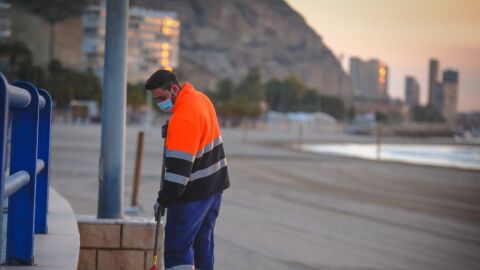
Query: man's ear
x=175, y=89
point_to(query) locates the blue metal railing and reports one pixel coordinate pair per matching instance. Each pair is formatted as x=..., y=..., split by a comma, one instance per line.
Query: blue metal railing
x=28, y=112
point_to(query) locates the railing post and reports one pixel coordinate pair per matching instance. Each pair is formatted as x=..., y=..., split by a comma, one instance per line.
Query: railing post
x=3, y=147
x=41, y=205
x=21, y=212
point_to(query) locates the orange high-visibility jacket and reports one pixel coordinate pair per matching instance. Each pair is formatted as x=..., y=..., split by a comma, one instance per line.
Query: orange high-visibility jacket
x=196, y=167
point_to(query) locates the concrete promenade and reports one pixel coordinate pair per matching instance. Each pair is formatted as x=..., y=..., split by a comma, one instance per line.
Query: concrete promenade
x=292, y=210
x=60, y=248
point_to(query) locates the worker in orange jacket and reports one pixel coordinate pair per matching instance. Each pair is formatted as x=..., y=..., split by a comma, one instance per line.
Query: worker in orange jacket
x=196, y=172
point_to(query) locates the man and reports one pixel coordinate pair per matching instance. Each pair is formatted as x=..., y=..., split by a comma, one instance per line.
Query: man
x=196, y=172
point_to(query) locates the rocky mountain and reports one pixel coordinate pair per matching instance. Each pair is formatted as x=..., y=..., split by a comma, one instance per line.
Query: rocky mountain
x=224, y=38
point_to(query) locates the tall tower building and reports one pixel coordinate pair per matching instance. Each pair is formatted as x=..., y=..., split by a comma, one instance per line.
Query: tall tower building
x=153, y=41
x=382, y=79
x=357, y=75
x=450, y=95
x=369, y=78
x=437, y=97
x=432, y=79
x=412, y=91
x=5, y=22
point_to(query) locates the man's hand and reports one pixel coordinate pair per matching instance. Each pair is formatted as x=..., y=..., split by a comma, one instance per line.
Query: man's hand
x=169, y=193
x=158, y=211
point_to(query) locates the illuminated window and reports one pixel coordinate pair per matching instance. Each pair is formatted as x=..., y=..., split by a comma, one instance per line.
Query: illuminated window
x=165, y=46
x=165, y=62
x=165, y=54
x=382, y=71
x=166, y=30
x=168, y=21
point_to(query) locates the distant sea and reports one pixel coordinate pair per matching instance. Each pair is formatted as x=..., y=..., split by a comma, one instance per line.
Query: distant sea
x=456, y=156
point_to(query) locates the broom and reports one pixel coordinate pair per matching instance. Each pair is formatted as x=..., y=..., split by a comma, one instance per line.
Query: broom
x=160, y=211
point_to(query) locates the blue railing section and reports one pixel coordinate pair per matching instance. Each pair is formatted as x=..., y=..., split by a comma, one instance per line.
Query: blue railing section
x=25, y=118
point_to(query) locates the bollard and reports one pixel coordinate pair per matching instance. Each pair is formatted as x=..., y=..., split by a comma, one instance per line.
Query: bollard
x=379, y=142
x=245, y=132
x=138, y=167
x=300, y=133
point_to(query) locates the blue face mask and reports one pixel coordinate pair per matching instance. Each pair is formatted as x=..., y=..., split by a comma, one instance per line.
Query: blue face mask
x=166, y=105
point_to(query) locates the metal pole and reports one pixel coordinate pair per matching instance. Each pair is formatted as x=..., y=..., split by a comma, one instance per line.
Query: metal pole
x=138, y=168
x=300, y=133
x=245, y=133
x=112, y=156
x=379, y=142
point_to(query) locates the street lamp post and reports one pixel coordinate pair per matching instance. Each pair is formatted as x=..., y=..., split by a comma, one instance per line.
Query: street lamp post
x=112, y=156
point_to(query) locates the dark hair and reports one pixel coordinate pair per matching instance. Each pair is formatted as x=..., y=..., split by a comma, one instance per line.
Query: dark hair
x=161, y=78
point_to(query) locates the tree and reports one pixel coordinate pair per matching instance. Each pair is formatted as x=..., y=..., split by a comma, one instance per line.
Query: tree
x=292, y=92
x=273, y=94
x=427, y=114
x=381, y=117
x=333, y=106
x=242, y=108
x=136, y=95
x=248, y=99
x=251, y=86
x=14, y=57
x=291, y=95
x=54, y=11
x=224, y=110
x=65, y=84
x=225, y=90
x=310, y=101
x=351, y=113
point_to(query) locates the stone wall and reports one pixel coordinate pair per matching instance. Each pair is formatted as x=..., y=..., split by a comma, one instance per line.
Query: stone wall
x=117, y=243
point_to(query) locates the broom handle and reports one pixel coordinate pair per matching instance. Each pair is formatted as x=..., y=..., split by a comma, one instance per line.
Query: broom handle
x=159, y=210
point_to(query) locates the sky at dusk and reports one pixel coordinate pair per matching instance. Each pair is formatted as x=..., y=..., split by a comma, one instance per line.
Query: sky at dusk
x=405, y=34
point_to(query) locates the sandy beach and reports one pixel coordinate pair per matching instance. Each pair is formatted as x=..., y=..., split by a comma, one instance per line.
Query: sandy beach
x=288, y=209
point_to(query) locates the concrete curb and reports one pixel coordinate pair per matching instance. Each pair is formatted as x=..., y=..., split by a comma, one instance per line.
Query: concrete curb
x=60, y=248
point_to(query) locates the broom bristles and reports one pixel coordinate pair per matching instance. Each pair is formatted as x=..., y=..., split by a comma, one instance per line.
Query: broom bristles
x=154, y=262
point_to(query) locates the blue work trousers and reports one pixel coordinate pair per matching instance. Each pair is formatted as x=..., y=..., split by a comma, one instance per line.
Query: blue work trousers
x=189, y=234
